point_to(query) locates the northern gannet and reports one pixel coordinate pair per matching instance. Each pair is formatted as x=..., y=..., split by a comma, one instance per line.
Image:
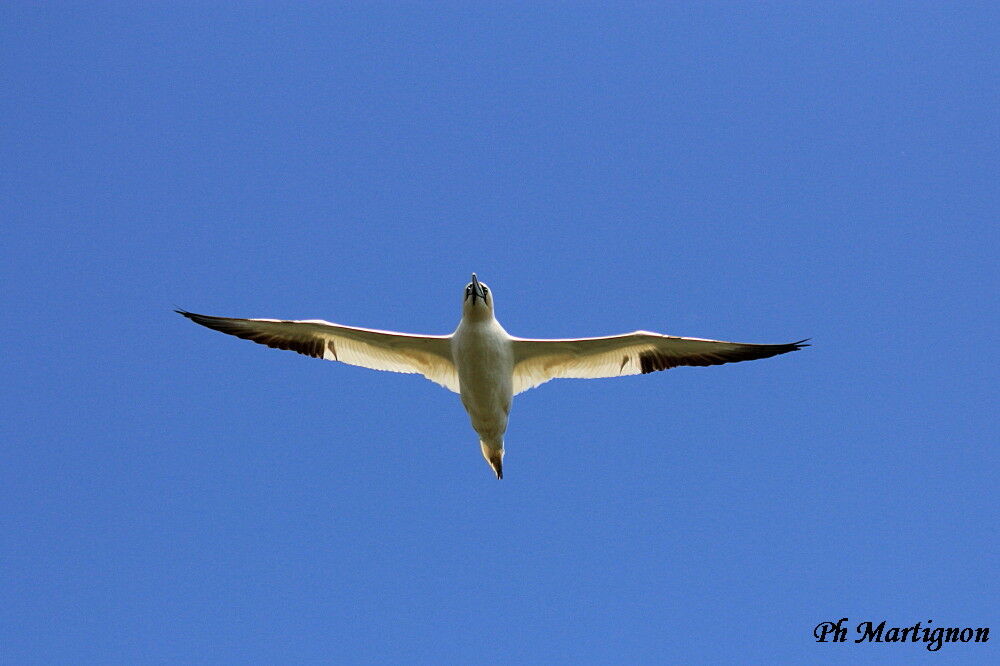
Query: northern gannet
x=483, y=363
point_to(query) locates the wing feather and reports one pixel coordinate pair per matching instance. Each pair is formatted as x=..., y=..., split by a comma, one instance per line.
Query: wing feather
x=428, y=355
x=641, y=352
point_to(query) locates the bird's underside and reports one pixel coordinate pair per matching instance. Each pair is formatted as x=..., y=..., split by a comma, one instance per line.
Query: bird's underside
x=480, y=341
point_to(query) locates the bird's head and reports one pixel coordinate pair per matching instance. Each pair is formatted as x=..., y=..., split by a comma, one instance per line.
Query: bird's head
x=478, y=303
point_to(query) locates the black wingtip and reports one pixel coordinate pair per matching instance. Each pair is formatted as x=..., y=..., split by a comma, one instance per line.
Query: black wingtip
x=193, y=316
x=800, y=344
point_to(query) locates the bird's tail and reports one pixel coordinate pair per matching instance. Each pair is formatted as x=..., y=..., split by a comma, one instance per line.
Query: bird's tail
x=493, y=452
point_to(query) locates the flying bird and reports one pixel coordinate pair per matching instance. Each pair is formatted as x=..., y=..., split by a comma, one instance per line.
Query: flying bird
x=483, y=363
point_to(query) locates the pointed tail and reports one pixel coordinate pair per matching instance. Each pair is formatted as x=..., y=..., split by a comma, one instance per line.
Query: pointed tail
x=493, y=452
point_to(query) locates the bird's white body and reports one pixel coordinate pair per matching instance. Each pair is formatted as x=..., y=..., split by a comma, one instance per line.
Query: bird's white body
x=483, y=354
x=481, y=362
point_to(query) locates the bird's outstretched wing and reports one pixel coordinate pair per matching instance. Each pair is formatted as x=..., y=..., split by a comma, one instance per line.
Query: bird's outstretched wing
x=428, y=355
x=538, y=361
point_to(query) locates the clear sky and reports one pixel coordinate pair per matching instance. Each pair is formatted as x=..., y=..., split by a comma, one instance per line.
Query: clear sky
x=760, y=172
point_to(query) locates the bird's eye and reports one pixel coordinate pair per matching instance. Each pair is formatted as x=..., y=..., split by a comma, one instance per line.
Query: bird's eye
x=486, y=290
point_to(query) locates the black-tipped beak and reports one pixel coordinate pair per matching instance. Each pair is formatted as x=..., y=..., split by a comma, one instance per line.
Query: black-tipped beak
x=477, y=290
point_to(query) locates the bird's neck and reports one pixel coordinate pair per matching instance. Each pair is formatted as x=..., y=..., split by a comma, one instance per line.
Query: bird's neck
x=478, y=316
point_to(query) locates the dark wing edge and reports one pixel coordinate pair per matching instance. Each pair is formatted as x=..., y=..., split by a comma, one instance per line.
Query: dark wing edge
x=654, y=360
x=305, y=343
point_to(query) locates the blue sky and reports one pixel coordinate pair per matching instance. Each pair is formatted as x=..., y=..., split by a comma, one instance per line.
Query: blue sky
x=760, y=172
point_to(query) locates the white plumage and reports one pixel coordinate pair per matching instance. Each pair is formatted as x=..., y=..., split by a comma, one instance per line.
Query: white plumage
x=482, y=362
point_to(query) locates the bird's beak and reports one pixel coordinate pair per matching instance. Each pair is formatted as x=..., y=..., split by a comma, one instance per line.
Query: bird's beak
x=477, y=290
